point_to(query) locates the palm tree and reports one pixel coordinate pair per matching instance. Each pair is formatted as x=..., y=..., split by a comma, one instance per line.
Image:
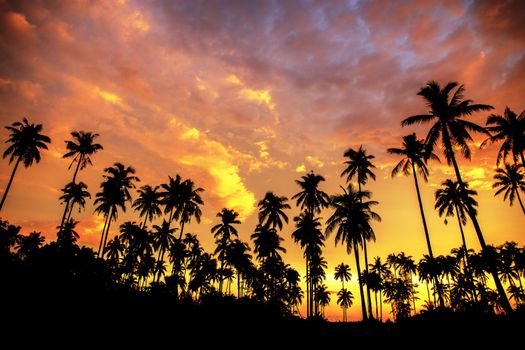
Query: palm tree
x=446, y=113
x=345, y=299
x=80, y=149
x=68, y=236
x=342, y=272
x=510, y=129
x=28, y=245
x=74, y=193
x=237, y=255
x=26, y=142
x=452, y=198
x=114, y=194
x=222, y=233
x=351, y=220
x=188, y=207
x=512, y=181
x=171, y=196
x=359, y=165
x=148, y=203
x=311, y=239
x=267, y=243
x=162, y=239
x=271, y=210
x=383, y=272
x=311, y=198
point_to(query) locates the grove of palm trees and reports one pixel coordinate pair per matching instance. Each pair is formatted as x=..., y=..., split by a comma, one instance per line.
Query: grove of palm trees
x=154, y=262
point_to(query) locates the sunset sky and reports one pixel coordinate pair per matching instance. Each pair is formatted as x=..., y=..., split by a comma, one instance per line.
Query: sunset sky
x=244, y=97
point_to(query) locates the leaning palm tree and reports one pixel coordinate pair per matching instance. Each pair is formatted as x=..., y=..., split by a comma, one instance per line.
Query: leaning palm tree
x=26, y=142
x=271, y=210
x=447, y=112
x=359, y=165
x=311, y=197
x=415, y=156
x=510, y=129
x=148, y=203
x=75, y=193
x=511, y=181
x=80, y=149
x=352, y=222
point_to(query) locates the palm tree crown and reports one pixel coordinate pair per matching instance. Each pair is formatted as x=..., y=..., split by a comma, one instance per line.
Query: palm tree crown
x=510, y=129
x=511, y=181
x=26, y=141
x=452, y=197
x=81, y=148
x=358, y=165
x=148, y=203
x=415, y=156
x=271, y=210
x=311, y=197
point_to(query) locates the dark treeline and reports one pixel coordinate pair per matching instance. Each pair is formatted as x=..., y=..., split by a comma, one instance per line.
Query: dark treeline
x=156, y=259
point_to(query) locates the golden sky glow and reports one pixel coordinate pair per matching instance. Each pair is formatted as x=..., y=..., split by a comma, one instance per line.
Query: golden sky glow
x=247, y=103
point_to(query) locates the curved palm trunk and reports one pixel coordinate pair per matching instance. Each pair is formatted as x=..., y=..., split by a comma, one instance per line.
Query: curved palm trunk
x=107, y=231
x=67, y=203
x=361, y=293
x=102, y=235
x=369, y=300
x=501, y=291
x=9, y=183
x=307, y=289
x=519, y=199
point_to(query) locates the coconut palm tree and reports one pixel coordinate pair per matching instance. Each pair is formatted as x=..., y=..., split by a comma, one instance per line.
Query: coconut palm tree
x=511, y=181
x=383, y=272
x=81, y=148
x=162, y=239
x=189, y=205
x=359, y=165
x=267, y=243
x=119, y=179
x=342, y=272
x=311, y=239
x=311, y=198
x=345, y=299
x=28, y=245
x=171, y=196
x=74, y=193
x=148, y=203
x=510, y=129
x=352, y=222
x=271, y=210
x=26, y=142
x=447, y=112
x=222, y=233
x=237, y=256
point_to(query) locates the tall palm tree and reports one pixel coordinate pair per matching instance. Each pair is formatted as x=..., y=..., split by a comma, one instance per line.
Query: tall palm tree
x=222, y=233
x=359, y=165
x=80, y=149
x=267, y=243
x=189, y=205
x=148, y=203
x=26, y=142
x=345, y=299
x=311, y=197
x=342, y=272
x=446, y=113
x=384, y=273
x=119, y=179
x=510, y=129
x=352, y=222
x=511, y=181
x=311, y=239
x=171, y=196
x=271, y=210
x=238, y=256
x=75, y=193
x=162, y=239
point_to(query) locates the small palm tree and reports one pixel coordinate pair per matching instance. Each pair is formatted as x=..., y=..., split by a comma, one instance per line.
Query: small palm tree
x=271, y=210
x=311, y=198
x=510, y=129
x=222, y=233
x=342, y=272
x=74, y=193
x=345, y=299
x=189, y=205
x=511, y=181
x=26, y=142
x=148, y=203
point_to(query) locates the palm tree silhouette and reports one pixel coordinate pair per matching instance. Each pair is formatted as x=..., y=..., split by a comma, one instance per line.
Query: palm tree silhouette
x=342, y=272
x=311, y=197
x=28, y=245
x=383, y=272
x=171, y=196
x=446, y=112
x=189, y=205
x=222, y=233
x=359, y=165
x=345, y=299
x=114, y=194
x=148, y=203
x=74, y=193
x=26, y=142
x=237, y=256
x=271, y=210
x=162, y=239
x=510, y=129
x=511, y=181
x=351, y=220
x=415, y=156
x=311, y=239
x=68, y=236
x=80, y=149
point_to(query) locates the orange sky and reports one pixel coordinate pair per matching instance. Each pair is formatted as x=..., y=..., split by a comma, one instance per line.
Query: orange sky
x=245, y=97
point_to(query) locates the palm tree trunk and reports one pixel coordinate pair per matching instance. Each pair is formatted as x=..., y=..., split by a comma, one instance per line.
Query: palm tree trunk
x=522, y=158
x=107, y=232
x=9, y=183
x=77, y=168
x=519, y=199
x=144, y=223
x=381, y=305
x=102, y=235
x=377, y=308
x=181, y=229
x=238, y=284
x=307, y=290
x=366, y=263
x=67, y=203
x=361, y=293
x=501, y=291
